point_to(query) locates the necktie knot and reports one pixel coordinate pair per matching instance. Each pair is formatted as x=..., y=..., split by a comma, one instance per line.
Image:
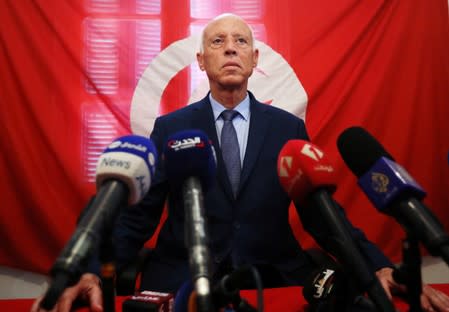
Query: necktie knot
x=229, y=114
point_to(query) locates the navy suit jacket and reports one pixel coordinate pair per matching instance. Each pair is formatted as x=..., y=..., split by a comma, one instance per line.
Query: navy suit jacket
x=253, y=228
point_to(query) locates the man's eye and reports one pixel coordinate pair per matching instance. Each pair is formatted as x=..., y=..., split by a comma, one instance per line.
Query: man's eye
x=217, y=41
x=242, y=42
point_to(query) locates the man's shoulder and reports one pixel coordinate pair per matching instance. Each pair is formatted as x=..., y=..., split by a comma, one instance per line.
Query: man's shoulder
x=184, y=111
x=281, y=111
x=278, y=111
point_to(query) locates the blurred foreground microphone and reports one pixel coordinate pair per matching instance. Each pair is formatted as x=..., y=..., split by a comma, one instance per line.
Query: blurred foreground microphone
x=320, y=290
x=391, y=189
x=190, y=164
x=123, y=177
x=225, y=293
x=308, y=177
x=328, y=290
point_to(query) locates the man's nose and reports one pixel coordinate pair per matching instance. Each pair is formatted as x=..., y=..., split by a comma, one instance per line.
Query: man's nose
x=230, y=48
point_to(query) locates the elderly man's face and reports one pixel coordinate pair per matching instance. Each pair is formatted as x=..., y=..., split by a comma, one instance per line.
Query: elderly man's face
x=228, y=55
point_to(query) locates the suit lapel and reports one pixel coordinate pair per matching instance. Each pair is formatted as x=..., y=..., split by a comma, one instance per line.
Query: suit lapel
x=258, y=128
x=204, y=119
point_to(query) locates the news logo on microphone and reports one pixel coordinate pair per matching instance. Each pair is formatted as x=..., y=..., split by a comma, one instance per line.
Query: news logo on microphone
x=131, y=159
x=190, y=153
x=322, y=282
x=302, y=166
x=386, y=180
x=180, y=144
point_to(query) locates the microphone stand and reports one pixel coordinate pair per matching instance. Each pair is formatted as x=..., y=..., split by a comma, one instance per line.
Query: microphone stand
x=196, y=242
x=409, y=272
x=64, y=275
x=107, y=273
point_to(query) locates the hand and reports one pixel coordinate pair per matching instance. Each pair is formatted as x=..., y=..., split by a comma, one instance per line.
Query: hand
x=431, y=298
x=87, y=289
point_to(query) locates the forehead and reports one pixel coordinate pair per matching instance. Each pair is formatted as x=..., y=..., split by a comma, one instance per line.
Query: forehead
x=227, y=25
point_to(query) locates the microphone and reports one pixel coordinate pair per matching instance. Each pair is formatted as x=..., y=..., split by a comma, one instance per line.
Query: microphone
x=225, y=292
x=327, y=289
x=391, y=189
x=319, y=285
x=320, y=290
x=308, y=177
x=190, y=165
x=123, y=176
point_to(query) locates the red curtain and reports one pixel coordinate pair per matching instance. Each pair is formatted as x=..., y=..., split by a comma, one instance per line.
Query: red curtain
x=382, y=65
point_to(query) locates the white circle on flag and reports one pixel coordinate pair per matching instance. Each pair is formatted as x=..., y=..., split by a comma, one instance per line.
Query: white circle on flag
x=273, y=82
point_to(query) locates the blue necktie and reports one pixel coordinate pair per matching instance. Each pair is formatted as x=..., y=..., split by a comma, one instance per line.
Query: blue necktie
x=230, y=149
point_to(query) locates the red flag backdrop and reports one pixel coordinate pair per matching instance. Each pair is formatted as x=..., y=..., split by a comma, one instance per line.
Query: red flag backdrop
x=68, y=71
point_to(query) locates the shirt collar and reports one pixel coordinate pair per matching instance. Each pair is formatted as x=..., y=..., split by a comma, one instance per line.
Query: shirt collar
x=242, y=107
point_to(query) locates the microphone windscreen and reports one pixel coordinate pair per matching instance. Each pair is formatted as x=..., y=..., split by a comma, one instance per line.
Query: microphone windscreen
x=130, y=159
x=380, y=177
x=360, y=150
x=319, y=285
x=329, y=289
x=303, y=167
x=189, y=153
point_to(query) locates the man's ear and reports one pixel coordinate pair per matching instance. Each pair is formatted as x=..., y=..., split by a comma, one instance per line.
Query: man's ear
x=255, y=57
x=199, y=58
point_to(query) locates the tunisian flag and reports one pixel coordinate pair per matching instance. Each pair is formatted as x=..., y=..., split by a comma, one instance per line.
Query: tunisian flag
x=74, y=75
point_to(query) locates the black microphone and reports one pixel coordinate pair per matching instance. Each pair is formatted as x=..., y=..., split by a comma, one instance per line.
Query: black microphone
x=327, y=289
x=309, y=178
x=190, y=165
x=227, y=290
x=391, y=189
x=123, y=176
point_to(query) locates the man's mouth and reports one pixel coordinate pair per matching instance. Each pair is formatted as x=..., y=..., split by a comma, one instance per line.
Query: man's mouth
x=231, y=64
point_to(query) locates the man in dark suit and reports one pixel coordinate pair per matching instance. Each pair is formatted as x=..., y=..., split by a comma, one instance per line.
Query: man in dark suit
x=248, y=215
x=248, y=227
